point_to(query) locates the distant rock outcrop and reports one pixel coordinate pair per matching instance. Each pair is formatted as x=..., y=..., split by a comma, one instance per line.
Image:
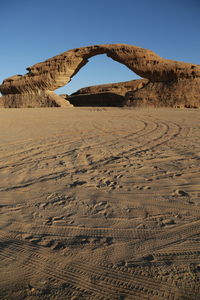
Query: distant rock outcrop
x=112, y=94
x=166, y=82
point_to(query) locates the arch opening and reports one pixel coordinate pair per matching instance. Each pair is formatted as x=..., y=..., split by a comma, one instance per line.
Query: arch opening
x=102, y=77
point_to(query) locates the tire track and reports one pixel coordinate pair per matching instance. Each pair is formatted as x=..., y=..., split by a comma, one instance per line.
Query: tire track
x=163, y=138
x=72, y=231
x=108, y=283
x=160, y=241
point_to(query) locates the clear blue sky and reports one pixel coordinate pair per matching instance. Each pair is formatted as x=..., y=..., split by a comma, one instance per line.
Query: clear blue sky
x=32, y=31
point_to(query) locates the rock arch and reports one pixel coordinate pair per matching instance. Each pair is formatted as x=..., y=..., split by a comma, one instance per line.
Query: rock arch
x=35, y=89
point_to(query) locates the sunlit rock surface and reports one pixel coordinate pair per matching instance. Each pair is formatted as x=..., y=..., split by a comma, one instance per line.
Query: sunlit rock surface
x=166, y=82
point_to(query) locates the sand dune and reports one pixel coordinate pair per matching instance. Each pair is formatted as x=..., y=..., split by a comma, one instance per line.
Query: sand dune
x=100, y=203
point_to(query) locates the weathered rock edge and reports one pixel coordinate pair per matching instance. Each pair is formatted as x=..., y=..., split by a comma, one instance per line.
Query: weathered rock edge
x=167, y=82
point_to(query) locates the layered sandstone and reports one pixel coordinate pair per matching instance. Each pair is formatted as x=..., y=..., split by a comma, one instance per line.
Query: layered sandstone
x=175, y=82
x=112, y=94
x=178, y=93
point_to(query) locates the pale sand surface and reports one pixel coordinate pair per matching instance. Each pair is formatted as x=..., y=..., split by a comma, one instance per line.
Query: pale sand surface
x=99, y=203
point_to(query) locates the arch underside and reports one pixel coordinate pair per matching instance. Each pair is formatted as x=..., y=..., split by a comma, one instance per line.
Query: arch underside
x=36, y=87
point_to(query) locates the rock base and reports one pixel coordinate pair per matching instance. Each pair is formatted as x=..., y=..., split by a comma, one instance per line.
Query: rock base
x=30, y=100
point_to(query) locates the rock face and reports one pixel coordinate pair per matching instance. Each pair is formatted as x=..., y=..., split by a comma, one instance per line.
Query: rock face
x=112, y=94
x=180, y=94
x=166, y=83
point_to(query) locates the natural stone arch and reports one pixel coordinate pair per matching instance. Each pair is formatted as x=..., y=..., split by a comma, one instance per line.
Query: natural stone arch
x=99, y=70
x=36, y=87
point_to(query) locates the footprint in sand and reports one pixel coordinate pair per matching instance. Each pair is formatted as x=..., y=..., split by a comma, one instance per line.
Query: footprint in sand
x=145, y=187
x=168, y=222
x=104, y=182
x=76, y=183
x=180, y=193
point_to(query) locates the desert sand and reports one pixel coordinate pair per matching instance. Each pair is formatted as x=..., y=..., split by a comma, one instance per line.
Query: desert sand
x=100, y=203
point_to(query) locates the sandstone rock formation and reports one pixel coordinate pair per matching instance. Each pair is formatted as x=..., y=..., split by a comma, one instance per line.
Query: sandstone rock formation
x=168, y=83
x=112, y=94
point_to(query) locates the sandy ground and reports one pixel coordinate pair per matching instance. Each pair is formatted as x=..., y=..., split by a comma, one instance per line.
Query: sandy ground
x=99, y=203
